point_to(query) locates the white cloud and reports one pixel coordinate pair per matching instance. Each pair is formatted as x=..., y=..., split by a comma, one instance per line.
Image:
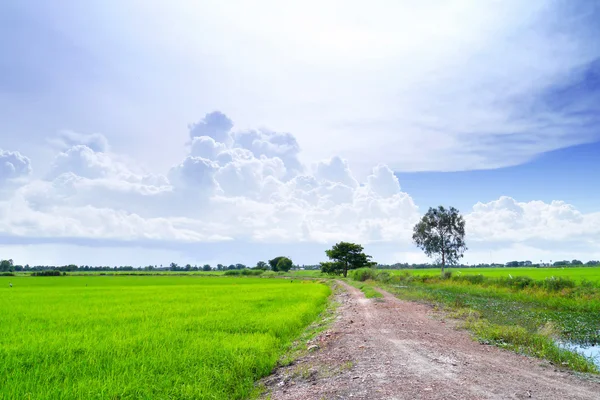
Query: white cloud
x=13, y=166
x=383, y=182
x=234, y=191
x=215, y=125
x=67, y=139
x=335, y=170
x=556, y=223
x=271, y=144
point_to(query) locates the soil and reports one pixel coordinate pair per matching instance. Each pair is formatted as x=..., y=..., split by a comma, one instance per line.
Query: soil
x=392, y=349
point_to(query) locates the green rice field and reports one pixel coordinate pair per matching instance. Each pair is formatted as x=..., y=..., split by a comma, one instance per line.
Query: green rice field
x=576, y=274
x=147, y=337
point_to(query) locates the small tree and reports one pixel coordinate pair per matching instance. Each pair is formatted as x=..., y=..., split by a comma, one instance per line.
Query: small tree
x=273, y=263
x=6, y=265
x=261, y=265
x=441, y=234
x=345, y=256
x=206, y=267
x=284, y=264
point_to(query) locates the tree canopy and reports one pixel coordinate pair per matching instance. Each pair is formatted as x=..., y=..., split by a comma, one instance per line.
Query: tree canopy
x=275, y=266
x=441, y=234
x=284, y=264
x=262, y=265
x=345, y=256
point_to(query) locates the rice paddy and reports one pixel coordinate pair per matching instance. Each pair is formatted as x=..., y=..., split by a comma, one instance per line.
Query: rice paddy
x=147, y=337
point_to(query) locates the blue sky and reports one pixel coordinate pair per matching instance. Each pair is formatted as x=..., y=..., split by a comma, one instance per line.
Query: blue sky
x=147, y=132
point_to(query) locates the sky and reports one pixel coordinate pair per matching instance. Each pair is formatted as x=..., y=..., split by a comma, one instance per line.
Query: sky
x=148, y=132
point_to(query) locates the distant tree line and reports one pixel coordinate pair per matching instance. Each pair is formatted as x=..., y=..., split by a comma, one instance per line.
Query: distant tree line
x=343, y=257
x=280, y=263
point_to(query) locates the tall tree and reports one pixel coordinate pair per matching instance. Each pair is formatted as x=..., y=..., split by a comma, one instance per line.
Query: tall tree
x=345, y=256
x=441, y=234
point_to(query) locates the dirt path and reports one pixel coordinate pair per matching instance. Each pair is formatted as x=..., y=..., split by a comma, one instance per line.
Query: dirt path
x=392, y=349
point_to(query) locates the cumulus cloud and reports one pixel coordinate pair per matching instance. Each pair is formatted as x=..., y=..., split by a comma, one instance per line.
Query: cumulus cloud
x=67, y=139
x=335, y=170
x=555, y=223
x=242, y=189
x=271, y=144
x=13, y=165
x=383, y=182
x=215, y=125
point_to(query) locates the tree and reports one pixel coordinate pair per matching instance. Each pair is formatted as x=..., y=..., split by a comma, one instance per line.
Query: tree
x=6, y=265
x=284, y=264
x=345, y=256
x=441, y=234
x=206, y=267
x=220, y=267
x=261, y=265
x=273, y=263
x=576, y=262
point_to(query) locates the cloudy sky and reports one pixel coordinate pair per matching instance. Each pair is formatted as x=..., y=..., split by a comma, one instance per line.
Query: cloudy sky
x=136, y=132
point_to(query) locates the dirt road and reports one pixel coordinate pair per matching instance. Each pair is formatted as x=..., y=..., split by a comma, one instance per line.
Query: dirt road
x=392, y=349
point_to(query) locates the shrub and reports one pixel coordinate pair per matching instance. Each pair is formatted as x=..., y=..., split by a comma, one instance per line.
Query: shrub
x=384, y=276
x=47, y=273
x=235, y=272
x=474, y=279
x=556, y=284
x=252, y=272
x=6, y=274
x=363, y=274
x=447, y=275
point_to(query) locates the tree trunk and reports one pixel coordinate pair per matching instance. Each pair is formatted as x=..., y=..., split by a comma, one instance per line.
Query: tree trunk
x=443, y=262
x=345, y=269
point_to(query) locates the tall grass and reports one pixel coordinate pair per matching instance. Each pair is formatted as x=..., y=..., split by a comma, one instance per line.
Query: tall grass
x=576, y=274
x=101, y=337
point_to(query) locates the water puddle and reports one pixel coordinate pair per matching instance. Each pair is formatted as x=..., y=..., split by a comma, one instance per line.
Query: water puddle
x=592, y=352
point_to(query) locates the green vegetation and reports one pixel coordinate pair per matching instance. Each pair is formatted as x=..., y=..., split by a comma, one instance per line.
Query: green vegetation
x=576, y=274
x=344, y=257
x=520, y=313
x=147, y=337
x=366, y=288
x=441, y=234
x=281, y=264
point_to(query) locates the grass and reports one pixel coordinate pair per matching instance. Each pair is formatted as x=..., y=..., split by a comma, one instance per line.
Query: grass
x=118, y=337
x=512, y=313
x=366, y=288
x=577, y=274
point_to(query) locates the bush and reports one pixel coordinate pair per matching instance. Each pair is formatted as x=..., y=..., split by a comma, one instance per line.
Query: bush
x=252, y=272
x=48, y=273
x=556, y=284
x=447, y=275
x=521, y=282
x=245, y=272
x=6, y=274
x=235, y=272
x=384, y=276
x=474, y=279
x=363, y=274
